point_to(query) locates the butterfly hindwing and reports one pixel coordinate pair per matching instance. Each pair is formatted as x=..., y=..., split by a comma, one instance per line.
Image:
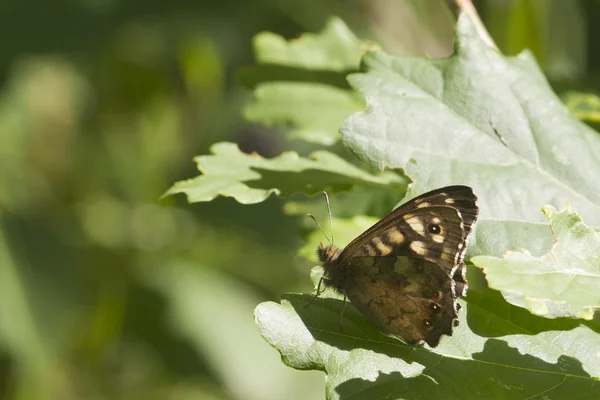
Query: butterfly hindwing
x=406, y=297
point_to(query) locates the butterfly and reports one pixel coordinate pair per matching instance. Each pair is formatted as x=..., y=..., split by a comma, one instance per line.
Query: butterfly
x=405, y=272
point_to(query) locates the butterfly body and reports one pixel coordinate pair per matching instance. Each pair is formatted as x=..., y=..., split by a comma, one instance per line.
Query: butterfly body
x=406, y=271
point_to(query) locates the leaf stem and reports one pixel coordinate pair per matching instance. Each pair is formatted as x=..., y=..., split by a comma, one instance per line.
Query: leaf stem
x=468, y=8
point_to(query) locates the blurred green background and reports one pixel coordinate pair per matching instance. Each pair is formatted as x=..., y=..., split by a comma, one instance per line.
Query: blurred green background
x=107, y=292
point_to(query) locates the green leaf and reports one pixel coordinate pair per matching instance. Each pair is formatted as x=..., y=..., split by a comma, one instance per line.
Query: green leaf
x=563, y=282
x=584, y=106
x=301, y=85
x=510, y=361
x=251, y=179
x=481, y=119
x=347, y=208
x=312, y=111
x=335, y=49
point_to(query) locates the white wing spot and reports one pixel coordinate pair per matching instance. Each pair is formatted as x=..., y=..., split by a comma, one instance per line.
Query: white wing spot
x=418, y=247
x=382, y=247
x=449, y=201
x=395, y=236
x=370, y=250
x=416, y=224
x=423, y=204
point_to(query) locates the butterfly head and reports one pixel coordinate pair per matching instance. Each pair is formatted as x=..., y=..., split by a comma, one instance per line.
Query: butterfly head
x=334, y=275
x=328, y=254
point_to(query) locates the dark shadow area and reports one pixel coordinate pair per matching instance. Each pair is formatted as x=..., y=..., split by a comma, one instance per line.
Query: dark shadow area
x=7, y=373
x=309, y=181
x=488, y=315
x=499, y=371
x=322, y=319
x=486, y=377
x=147, y=322
x=488, y=304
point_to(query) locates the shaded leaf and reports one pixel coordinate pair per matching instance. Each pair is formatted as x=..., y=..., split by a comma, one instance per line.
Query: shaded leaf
x=360, y=202
x=301, y=85
x=345, y=230
x=249, y=178
x=563, y=282
x=312, y=111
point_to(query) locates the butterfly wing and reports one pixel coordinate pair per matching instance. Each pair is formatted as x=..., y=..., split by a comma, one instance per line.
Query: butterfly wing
x=405, y=272
x=406, y=297
x=459, y=198
x=465, y=201
x=432, y=233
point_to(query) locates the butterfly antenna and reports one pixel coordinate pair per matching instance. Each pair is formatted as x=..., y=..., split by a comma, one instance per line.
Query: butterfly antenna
x=330, y=218
x=319, y=225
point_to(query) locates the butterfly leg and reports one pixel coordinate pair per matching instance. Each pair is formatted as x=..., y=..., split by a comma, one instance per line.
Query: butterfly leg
x=342, y=314
x=316, y=295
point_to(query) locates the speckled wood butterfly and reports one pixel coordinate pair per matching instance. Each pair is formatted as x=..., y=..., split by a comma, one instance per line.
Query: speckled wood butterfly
x=406, y=271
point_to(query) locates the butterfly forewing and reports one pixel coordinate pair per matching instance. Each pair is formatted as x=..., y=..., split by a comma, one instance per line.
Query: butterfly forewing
x=465, y=201
x=434, y=234
x=459, y=198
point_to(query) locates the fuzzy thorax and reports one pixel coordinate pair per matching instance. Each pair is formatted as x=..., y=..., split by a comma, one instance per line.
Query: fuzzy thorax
x=334, y=274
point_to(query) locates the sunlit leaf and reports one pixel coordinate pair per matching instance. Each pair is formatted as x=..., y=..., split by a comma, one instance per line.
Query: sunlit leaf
x=481, y=119
x=249, y=178
x=335, y=48
x=563, y=282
